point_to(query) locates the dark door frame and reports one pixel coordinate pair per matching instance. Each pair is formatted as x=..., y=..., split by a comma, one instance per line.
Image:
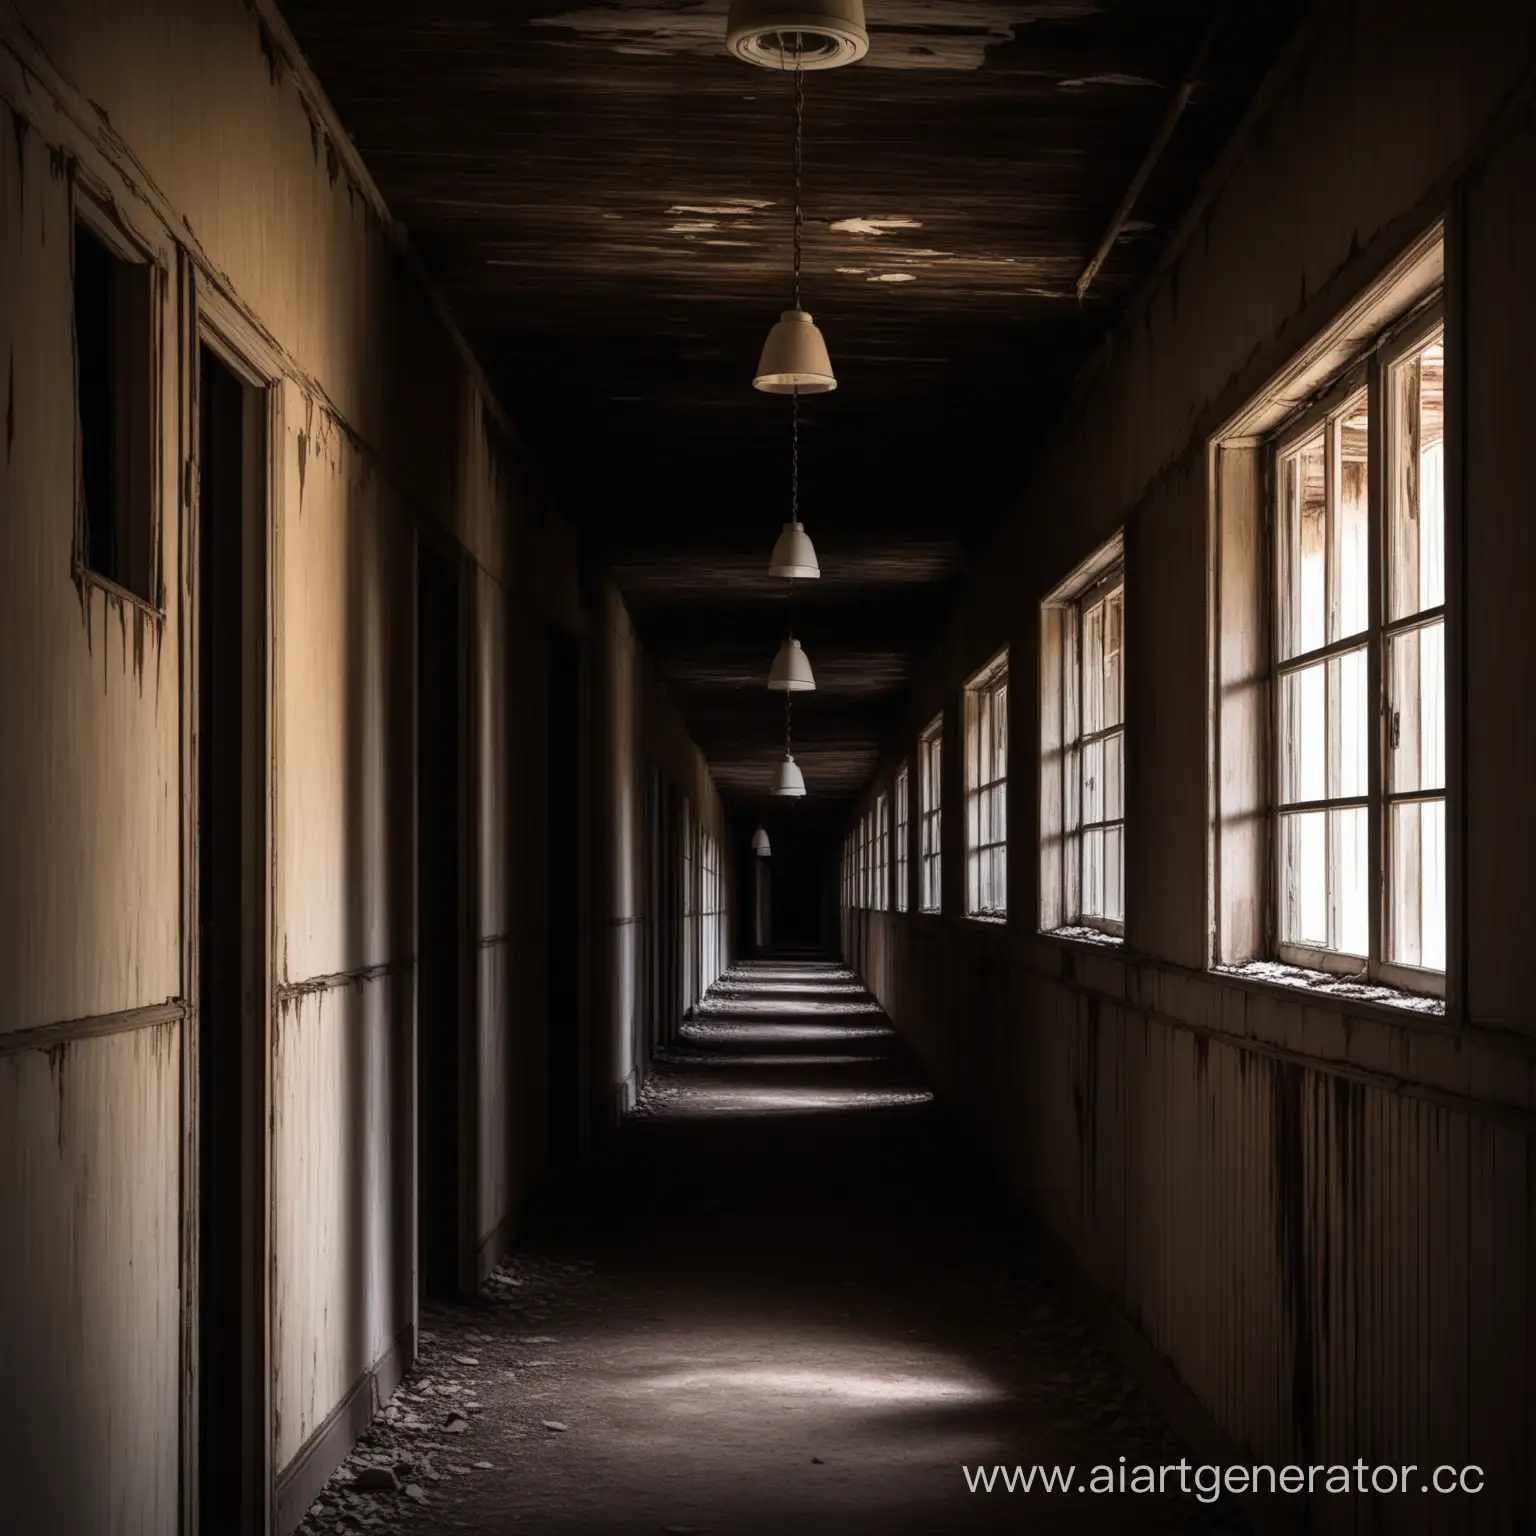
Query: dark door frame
x=215, y=324
x=454, y=1270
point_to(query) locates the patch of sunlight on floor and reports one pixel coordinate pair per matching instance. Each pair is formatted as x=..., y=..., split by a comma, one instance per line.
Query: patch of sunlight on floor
x=899, y=1386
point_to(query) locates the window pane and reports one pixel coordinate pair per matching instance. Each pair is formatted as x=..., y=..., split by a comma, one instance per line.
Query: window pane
x=1303, y=534
x=1000, y=730
x=1093, y=668
x=1351, y=524
x=1114, y=776
x=1416, y=709
x=1114, y=874
x=1303, y=735
x=1304, y=878
x=1416, y=901
x=1348, y=725
x=1114, y=690
x=1349, y=855
x=1093, y=873
x=1416, y=542
x=1093, y=782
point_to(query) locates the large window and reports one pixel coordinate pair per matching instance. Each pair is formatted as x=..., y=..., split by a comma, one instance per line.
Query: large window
x=1359, y=676
x=903, y=832
x=864, y=861
x=930, y=780
x=1083, y=748
x=986, y=790
x=882, y=853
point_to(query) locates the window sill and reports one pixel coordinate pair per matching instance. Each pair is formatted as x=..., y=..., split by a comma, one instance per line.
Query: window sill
x=1081, y=934
x=1322, y=983
x=996, y=919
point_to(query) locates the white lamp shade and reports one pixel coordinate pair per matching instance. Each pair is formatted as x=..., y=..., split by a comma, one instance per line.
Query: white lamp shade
x=791, y=670
x=788, y=780
x=794, y=359
x=794, y=555
x=760, y=844
x=815, y=34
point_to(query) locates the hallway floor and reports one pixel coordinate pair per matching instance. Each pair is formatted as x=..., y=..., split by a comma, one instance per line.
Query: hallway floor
x=787, y=1301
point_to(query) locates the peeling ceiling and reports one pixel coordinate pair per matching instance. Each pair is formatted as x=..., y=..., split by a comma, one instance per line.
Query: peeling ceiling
x=604, y=196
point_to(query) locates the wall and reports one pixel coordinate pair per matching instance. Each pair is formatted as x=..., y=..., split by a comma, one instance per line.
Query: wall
x=637, y=734
x=1318, y=1210
x=202, y=126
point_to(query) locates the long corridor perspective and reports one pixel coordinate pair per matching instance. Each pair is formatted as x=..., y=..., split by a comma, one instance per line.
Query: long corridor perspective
x=767, y=766
x=789, y=1299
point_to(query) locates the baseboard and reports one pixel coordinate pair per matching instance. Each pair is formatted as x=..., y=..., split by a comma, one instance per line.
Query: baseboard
x=325, y=1450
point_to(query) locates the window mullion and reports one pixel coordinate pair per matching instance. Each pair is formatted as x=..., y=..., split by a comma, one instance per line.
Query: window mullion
x=1378, y=407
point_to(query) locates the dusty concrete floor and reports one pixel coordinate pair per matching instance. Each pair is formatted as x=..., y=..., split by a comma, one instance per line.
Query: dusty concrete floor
x=788, y=1301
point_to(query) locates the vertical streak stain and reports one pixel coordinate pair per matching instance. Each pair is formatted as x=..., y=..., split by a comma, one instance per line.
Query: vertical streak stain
x=1288, y=1130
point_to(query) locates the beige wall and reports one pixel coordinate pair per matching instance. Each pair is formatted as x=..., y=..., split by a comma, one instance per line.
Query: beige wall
x=217, y=149
x=1318, y=1211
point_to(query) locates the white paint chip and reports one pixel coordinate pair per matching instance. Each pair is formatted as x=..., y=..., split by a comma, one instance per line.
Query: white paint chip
x=873, y=226
x=894, y=277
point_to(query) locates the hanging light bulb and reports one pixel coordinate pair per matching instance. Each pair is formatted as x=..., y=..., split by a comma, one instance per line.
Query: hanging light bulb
x=794, y=360
x=791, y=670
x=797, y=34
x=794, y=556
x=760, y=844
x=788, y=780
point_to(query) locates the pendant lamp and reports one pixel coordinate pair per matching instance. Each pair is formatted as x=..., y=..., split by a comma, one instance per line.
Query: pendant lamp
x=788, y=780
x=797, y=34
x=794, y=359
x=791, y=670
x=794, y=556
x=760, y=844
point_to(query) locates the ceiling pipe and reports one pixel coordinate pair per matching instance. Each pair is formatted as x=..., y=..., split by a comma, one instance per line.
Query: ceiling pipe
x=1154, y=153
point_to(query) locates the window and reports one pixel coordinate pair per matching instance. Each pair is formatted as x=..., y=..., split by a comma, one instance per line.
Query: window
x=690, y=902
x=903, y=817
x=1082, y=802
x=882, y=852
x=710, y=955
x=1349, y=820
x=930, y=779
x=986, y=790
x=863, y=862
x=116, y=415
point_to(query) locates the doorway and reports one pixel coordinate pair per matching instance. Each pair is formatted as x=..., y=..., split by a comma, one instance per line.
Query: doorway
x=563, y=856
x=233, y=1451
x=441, y=982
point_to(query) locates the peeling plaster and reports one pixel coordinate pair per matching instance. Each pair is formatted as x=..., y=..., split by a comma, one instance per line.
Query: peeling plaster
x=874, y=226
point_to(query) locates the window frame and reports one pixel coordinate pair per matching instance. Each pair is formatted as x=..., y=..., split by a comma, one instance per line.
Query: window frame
x=930, y=856
x=903, y=828
x=986, y=696
x=1370, y=373
x=882, y=862
x=1062, y=616
x=95, y=212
